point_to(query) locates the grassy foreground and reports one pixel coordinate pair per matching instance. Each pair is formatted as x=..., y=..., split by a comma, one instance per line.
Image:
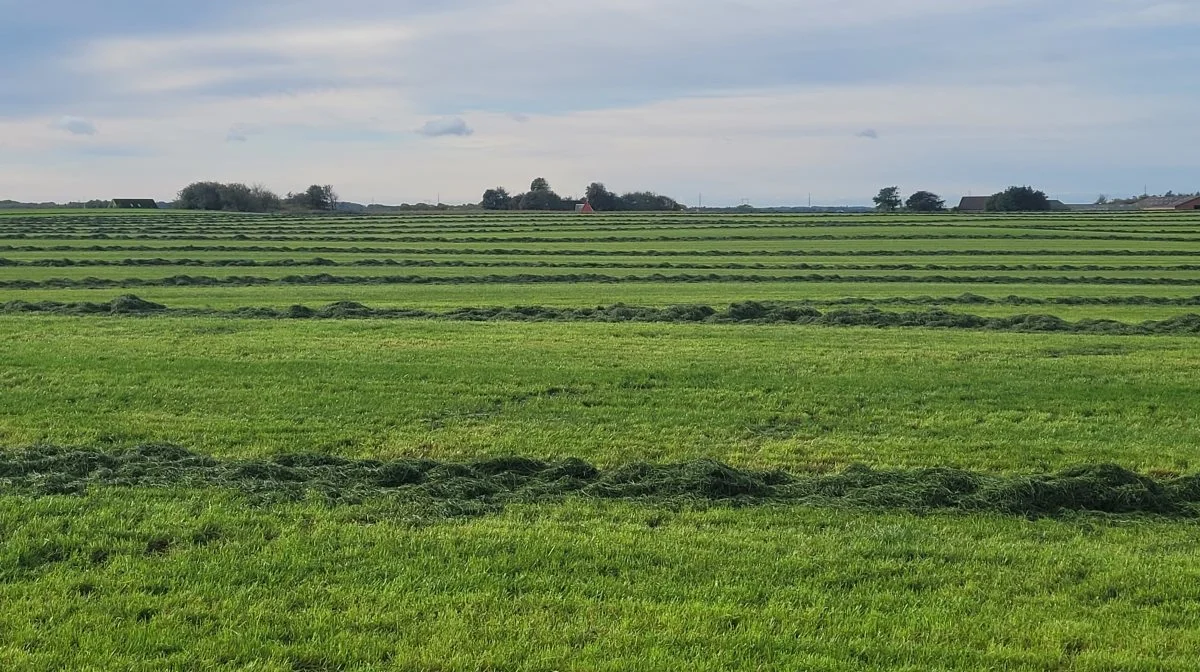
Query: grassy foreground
x=158, y=580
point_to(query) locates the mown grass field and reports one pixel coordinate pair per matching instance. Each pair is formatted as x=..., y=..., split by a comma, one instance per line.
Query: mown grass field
x=753, y=396
x=355, y=493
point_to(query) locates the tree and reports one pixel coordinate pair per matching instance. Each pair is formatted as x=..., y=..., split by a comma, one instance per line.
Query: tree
x=925, y=201
x=541, y=199
x=601, y=199
x=200, y=196
x=1102, y=199
x=539, y=184
x=1018, y=199
x=232, y=197
x=888, y=199
x=496, y=199
x=319, y=197
x=235, y=197
x=264, y=200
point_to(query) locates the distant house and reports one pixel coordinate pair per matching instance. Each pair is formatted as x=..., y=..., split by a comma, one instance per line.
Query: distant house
x=1099, y=207
x=135, y=203
x=584, y=208
x=1169, y=203
x=973, y=204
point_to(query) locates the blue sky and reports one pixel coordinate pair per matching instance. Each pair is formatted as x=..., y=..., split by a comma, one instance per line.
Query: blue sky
x=766, y=100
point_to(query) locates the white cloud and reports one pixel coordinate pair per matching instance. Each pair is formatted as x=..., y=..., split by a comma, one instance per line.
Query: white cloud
x=445, y=126
x=178, y=63
x=75, y=125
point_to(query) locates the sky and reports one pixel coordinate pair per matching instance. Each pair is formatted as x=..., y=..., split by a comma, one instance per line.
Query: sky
x=764, y=101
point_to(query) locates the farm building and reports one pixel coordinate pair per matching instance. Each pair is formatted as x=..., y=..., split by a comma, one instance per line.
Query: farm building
x=979, y=204
x=1169, y=203
x=973, y=204
x=134, y=203
x=584, y=208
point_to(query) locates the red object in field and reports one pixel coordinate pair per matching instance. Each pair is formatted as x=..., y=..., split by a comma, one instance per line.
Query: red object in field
x=586, y=208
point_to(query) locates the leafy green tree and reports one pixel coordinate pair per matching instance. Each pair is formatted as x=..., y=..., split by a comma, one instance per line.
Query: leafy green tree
x=200, y=196
x=601, y=199
x=320, y=197
x=264, y=200
x=236, y=197
x=925, y=201
x=1018, y=199
x=232, y=197
x=496, y=199
x=540, y=184
x=888, y=199
x=542, y=199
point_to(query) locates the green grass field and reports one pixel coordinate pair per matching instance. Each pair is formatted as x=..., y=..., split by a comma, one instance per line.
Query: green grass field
x=353, y=494
x=760, y=396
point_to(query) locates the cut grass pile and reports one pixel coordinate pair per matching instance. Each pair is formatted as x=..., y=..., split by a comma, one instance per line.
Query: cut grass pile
x=748, y=312
x=485, y=486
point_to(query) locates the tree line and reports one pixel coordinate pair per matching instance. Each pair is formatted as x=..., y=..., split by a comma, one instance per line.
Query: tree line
x=541, y=197
x=1012, y=199
x=889, y=200
x=238, y=197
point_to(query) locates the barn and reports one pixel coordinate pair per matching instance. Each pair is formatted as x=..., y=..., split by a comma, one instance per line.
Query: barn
x=1169, y=203
x=973, y=204
x=584, y=208
x=134, y=203
x=978, y=204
